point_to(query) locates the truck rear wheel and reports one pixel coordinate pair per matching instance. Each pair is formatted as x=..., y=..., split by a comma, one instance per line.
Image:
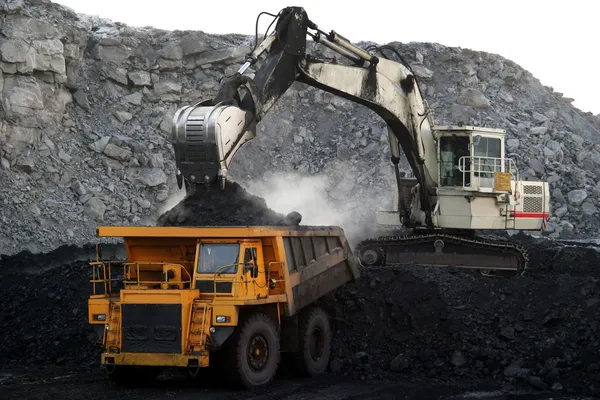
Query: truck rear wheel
x=257, y=352
x=315, y=342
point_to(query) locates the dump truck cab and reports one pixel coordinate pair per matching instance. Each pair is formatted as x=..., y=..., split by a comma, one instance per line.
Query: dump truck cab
x=184, y=297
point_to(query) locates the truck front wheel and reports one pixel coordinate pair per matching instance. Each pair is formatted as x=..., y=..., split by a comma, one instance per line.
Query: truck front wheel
x=257, y=353
x=315, y=342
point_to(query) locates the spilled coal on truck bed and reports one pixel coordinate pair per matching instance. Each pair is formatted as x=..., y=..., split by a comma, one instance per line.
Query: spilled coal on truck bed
x=400, y=332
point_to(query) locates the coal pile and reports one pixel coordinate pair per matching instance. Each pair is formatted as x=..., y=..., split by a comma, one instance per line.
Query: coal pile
x=540, y=330
x=233, y=206
x=404, y=323
x=43, y=319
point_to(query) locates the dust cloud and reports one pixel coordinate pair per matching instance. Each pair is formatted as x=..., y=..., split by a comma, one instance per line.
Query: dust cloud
x=313, y=197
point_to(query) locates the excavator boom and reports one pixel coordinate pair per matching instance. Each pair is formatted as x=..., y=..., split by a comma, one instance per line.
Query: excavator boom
x=461, y=180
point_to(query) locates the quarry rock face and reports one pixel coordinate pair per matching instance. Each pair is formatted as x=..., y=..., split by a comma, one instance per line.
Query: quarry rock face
x=86, y=108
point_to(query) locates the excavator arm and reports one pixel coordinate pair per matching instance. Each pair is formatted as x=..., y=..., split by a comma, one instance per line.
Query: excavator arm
x=206, y=136
x=462, y=183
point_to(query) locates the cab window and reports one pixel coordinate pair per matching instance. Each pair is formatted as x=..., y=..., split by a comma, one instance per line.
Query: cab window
x=214, y=256
x=452, y=149
x=487, y=156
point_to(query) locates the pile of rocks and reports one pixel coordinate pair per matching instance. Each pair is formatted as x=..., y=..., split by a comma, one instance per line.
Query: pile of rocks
x=539, y=330
x=87, y=104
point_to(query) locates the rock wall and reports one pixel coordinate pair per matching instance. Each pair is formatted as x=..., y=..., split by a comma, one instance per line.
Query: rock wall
x=86, y=106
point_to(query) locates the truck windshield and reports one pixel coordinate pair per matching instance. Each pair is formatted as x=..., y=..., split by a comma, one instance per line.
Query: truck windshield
x=214, y=256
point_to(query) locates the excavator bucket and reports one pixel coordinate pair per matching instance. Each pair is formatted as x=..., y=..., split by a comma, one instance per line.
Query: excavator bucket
x=205, y=138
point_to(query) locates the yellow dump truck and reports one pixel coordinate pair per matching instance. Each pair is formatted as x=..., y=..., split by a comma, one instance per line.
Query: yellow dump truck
x=238, y=296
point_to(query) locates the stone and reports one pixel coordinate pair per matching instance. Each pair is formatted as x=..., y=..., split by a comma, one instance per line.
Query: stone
x=537, y=165
x=577, y=139
x=588, y=209
x=150, y=177
x=506, y=97
x=194, y=44
x=512, y=144
x=576, y=197
x=538, y=130
x=35, y=210
x=81, y=99
x=29, y=29
x=165, y=87
x=100, y=145
x=561, y=212
x=20, y=138
x=22, y=94
x=49, y=56
x=458, y=358
x=78, y=188
x=222, y=55
x=123, y=116
x=474, y=98
x=538, y=383
x=134, y=98
x=118, y=153
x=95, y=208
x=507, y=332
x=172, y=51
x=140, y=78
x=144, y=203
x=117, y=74
x=14, y=51
x=64, y=156
x=421, y=71
x=112, y=54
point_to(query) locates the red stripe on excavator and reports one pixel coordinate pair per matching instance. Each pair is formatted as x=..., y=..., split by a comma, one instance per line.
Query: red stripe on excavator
x=520, y=214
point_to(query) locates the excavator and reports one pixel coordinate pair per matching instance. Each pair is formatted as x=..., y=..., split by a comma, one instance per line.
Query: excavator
x=461, y=183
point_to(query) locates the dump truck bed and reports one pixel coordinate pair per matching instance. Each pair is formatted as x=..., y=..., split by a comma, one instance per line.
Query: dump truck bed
x=314, y=260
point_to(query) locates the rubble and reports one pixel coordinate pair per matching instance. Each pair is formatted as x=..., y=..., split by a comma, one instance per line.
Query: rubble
x=88, y=100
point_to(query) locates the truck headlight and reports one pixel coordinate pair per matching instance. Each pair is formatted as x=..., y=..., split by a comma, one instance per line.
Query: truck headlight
x=221, y=319
x=99, y=317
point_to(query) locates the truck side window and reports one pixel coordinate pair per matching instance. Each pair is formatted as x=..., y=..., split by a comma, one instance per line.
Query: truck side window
x=250, y=262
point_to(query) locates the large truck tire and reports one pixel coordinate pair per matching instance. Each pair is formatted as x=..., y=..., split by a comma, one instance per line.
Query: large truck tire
x=315, y=335
x=256, y=352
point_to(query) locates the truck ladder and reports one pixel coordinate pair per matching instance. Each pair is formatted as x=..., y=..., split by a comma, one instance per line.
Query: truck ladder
x=199, y=313
x=112, y=335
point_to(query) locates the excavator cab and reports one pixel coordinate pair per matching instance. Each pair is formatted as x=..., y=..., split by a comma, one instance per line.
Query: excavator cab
x=473, y=159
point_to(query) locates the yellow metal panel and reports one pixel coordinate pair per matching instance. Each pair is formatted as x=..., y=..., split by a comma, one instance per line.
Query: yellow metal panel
x=157, y=296
x=226, y=232
x=502, y=181
x=97, y=306
x=154, y=359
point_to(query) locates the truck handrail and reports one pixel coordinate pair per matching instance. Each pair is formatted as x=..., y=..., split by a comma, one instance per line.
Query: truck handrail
x=102, y=273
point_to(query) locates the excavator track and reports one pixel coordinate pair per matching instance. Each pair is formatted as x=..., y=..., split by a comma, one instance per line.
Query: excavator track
x=497, y=258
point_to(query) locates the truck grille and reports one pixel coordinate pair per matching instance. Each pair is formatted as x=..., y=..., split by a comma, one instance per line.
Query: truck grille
x=151, y=328
x=207, y=286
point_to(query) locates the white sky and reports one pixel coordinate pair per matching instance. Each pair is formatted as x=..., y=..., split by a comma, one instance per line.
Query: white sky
x=556, y=41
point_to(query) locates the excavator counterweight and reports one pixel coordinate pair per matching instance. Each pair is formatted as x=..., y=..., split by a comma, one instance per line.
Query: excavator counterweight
x=462, y=182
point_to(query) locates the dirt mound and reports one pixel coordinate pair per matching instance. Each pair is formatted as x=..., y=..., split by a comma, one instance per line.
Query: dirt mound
x=233, y=206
